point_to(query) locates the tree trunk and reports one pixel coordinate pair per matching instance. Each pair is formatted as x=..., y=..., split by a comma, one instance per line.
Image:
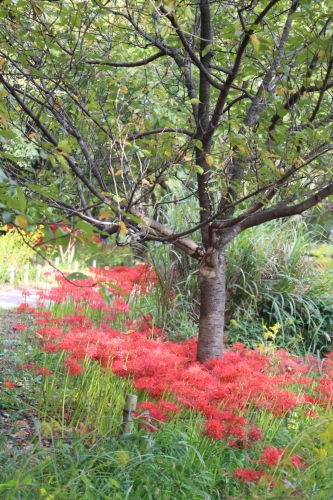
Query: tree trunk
x=212, y=304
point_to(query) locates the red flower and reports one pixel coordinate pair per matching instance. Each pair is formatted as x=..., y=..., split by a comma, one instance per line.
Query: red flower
x=9, y=384
x=19, y=326
x=296, y=461
x=254, y=434
x=154, y=410
x=28, y=366
x=271, y=456
x=73, y=367
x=248, y=474
x=168, y=407
x=44, y=371
x=214, y=429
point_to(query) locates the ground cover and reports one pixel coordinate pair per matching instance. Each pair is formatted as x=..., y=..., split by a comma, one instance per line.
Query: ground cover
x=257, y=423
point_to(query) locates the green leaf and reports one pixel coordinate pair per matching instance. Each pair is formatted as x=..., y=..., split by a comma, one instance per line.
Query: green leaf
x=50, y=191
x=77, y=276
x=198, y=169
x=62, y=237
x=206, y=50
x=21, y=198
x=85, y=227
x=114, y=287
x=105, y=294
x=134, y=218
x=8, y=217
x=64, y=146
x=10, y=156
x=8, y=133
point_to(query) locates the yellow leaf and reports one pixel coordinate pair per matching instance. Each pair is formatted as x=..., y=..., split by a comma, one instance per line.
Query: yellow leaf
x=209, y=160
x=279, y=90
x=194, y=101
x=144, y=181
x=122, y=227
x=89, y=42
x=167, y=153
x=321, y=53
x=3, y=121
x=21, y=221
x=105, y=215
x=104, y=193
x=129, y=331
x=255, y=43
x=118, y=172
x=2, y=61
x=18, y=108
x=241, y=148
x=58, y=103
x=188, y=158
x=124, y=89
x=32, y=135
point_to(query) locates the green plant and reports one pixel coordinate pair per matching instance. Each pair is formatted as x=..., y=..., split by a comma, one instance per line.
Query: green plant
x=272, y=279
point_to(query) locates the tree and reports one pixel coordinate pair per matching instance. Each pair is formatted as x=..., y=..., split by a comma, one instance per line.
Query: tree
x=227, y=102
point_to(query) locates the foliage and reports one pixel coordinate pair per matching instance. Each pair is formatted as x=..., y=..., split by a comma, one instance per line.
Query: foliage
x=226, y=104
x=273, y=279
x=14, y=254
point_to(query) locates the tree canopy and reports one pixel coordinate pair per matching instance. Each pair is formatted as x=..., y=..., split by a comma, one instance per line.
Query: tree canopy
x=131, y=105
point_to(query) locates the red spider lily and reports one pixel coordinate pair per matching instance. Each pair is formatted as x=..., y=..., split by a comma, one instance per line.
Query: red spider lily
x=28, y=366
x=154, y=411
x=250, y=475
x=296, y=462
x=9, y=384
x=73, y=367
x=19, y=326
x=25, y=308
x=43, y=371
x=271, y=456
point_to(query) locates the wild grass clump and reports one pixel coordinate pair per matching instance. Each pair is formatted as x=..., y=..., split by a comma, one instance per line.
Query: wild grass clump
x=273, y=279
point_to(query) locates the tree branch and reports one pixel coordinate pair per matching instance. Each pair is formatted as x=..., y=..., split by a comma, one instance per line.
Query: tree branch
x=135, y=64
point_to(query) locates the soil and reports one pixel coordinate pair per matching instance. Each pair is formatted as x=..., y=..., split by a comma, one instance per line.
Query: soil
x=18, y=427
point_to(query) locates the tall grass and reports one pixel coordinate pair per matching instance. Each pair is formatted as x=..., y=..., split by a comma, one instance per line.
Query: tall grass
x=272, y=279
x=174, y=300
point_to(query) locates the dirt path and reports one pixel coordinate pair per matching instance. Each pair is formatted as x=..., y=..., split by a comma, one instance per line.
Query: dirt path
x=13, y=298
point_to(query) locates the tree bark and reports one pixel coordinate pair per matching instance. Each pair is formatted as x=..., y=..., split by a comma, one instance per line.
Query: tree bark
x=212, y=304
